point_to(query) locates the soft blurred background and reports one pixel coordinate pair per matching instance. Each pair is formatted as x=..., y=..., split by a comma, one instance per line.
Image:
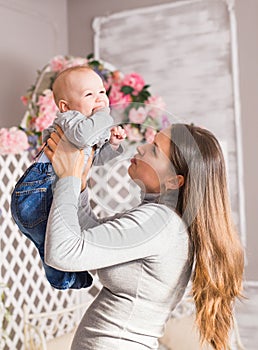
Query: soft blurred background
x=34, y=31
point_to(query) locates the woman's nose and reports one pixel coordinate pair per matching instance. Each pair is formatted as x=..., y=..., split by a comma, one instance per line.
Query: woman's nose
x=140, y=150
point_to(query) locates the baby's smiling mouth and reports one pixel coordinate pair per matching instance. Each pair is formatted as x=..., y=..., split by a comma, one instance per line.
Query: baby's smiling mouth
x=97, y=109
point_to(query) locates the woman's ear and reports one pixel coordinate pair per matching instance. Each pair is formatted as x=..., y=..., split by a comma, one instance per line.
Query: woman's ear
x=63, y=106
x=174, y=182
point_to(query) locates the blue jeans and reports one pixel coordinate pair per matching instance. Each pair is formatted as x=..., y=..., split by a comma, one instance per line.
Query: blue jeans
x=30, y=205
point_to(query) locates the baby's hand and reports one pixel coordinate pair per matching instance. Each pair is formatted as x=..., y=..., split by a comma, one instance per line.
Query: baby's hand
x=117, y=136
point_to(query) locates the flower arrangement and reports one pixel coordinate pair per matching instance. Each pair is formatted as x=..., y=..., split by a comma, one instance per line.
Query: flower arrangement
x=131, y=104
x=13, y=141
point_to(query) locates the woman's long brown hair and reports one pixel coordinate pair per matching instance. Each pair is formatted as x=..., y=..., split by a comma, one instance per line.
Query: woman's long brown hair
x=204, y=205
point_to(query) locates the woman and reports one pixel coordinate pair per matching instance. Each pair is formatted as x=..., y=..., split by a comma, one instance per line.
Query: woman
x=145, y=256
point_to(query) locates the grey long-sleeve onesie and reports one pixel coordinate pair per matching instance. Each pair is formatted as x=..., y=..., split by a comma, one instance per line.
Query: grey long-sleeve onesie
x=86, y=132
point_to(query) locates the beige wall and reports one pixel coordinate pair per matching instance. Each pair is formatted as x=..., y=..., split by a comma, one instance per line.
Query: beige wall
x=80, y=16
x=247, y=18
x=31, y=32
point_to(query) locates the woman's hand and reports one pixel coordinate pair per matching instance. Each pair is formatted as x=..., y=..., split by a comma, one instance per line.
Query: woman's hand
x=66, y=159
x=86, y=170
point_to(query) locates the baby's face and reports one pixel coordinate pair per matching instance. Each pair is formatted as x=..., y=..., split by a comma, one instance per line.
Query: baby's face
x=86, y=92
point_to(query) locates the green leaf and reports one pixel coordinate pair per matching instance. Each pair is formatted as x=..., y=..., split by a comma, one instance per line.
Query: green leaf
x=52, y=79
x=144, y=95
x=32, y=88
x=108, y=90
x=127, y=90
x=95, y=63
x=138, y=105
x=90, y=56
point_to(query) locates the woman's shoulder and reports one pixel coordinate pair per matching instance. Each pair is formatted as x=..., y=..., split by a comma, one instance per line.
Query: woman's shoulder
x=157, y=214
x=161, y=208
x=164, y=203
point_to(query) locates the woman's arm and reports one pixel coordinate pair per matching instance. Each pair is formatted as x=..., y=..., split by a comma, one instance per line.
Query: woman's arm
x=87, y=217
x=145, y=231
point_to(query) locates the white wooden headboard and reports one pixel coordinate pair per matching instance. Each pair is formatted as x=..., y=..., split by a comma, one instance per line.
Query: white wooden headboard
x=187, y=51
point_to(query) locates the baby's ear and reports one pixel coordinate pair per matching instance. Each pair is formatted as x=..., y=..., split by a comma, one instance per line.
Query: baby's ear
x=63, y=106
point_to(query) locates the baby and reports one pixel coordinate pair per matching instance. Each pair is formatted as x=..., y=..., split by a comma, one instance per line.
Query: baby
x=79, y=92
x=84, y=117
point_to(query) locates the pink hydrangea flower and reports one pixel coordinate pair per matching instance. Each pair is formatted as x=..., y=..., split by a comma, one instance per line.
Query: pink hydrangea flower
x=117, y=77
x=47, y=110
x=43, y=121
x=77, y=61
x=58, y=63
x=117, y=99
x=132, y=133
x=150, y=134
x=13, y=141
x=156, y=106
x=24, y=100
x=165, y=122
x=137, y=116
x=134, y=80
x=46, y=102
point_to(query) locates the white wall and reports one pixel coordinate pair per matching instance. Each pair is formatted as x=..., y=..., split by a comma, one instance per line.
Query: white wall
x=31, y=32
x=80, y=16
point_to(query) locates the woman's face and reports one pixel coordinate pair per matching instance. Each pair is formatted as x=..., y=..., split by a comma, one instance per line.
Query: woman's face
x=151, y=166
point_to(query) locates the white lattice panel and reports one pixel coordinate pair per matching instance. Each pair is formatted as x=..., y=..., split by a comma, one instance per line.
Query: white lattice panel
x=111, y=189
x=21, y=269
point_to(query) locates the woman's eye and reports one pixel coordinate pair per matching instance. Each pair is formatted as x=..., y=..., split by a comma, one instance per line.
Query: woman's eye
x=154, y=150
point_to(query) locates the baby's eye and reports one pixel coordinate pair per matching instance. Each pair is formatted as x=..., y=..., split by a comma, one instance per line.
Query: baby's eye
x=88, y=94
x=102, y=91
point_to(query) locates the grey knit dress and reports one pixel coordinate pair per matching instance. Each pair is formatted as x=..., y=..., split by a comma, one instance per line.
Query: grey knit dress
x=143, y=258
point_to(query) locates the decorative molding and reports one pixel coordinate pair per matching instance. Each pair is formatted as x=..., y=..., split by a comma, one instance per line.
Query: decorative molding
x=98, y=21
x=238, y=124
x=252, y=284
x=230, y=4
